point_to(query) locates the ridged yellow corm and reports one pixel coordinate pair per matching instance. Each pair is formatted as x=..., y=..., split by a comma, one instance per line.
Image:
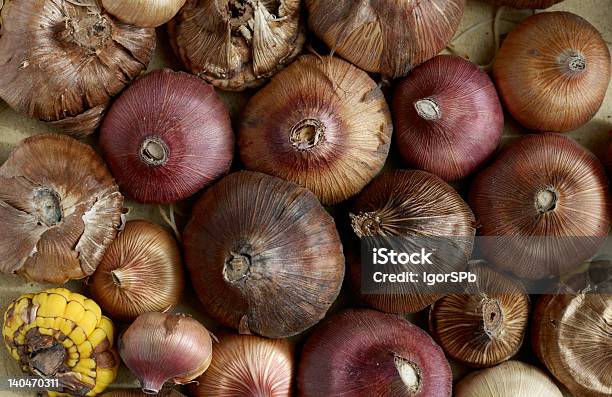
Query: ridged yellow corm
x=70, y=325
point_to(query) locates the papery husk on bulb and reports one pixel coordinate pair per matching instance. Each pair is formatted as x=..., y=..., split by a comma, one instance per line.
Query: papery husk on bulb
x=167, y=136
x=411, y=205
x=140, y=272
x=525, y=3
x=247, y=365
x=61, y=61
x=143, y=13
x=447, y=116
x=572, y=336
x=320, y=123
x=161, y=347
x=264, y=256
x=237, y=44
x=362, y=352
x=60, y=209
x=386, y=37
x=485, y=325
x=58, y=334
x=509, y=379
x=552, y=71
x=543, y=206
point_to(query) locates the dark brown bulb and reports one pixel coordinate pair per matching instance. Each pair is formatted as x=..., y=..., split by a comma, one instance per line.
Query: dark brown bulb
x=485, y=325
x=386, y=37
x=323, y=124
x=264, y=255
x=60, y=209
x=62, y=61
x=411, y=204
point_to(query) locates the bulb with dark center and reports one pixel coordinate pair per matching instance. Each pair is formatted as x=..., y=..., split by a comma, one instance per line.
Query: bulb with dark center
x=485, y=325
x=323, y=124
x=237, y=44
x=167, y=136
x=543, y=206
x=60, y=209
x=64, y=60
x=264, y=256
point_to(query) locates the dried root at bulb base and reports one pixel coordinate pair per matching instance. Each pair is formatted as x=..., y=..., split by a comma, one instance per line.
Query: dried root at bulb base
x=61, y=61
x=60, y=209
x=321, y=123
x=237, y=44
x=60, y=334
x=485, y=325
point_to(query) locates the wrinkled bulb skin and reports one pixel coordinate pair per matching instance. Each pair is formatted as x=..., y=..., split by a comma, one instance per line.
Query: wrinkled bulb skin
x=60, y=209
x=543, y=206
x=552, y=72
x=509, y=379
x=143, y=13
x=484, y=326
x=237, y=44
x=264, y=256
x=526, y=3
x=247, y=365
x=161, y=347
x=141, y=271
x=166, y=137
x=392, y=357
x=323, y=124
x=571, y=336
x=409, y=204
x=386, y=37
x=62, y=61
x=62, y=335
x=448, y=117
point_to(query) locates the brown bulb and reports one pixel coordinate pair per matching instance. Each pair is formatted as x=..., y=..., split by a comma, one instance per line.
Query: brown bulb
x=485, y=325
x=572, y=336
x=247, y=366
x=264, y=255
x=237, y=44
x=62, y=61
x=543, y=206
x=386, y=37
x=323, y=124
x=140, y=272
x=60, y=209
x=510, y=379
x=411, y=204
x=552, y=71
x=526, y=3
x=143, y=13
